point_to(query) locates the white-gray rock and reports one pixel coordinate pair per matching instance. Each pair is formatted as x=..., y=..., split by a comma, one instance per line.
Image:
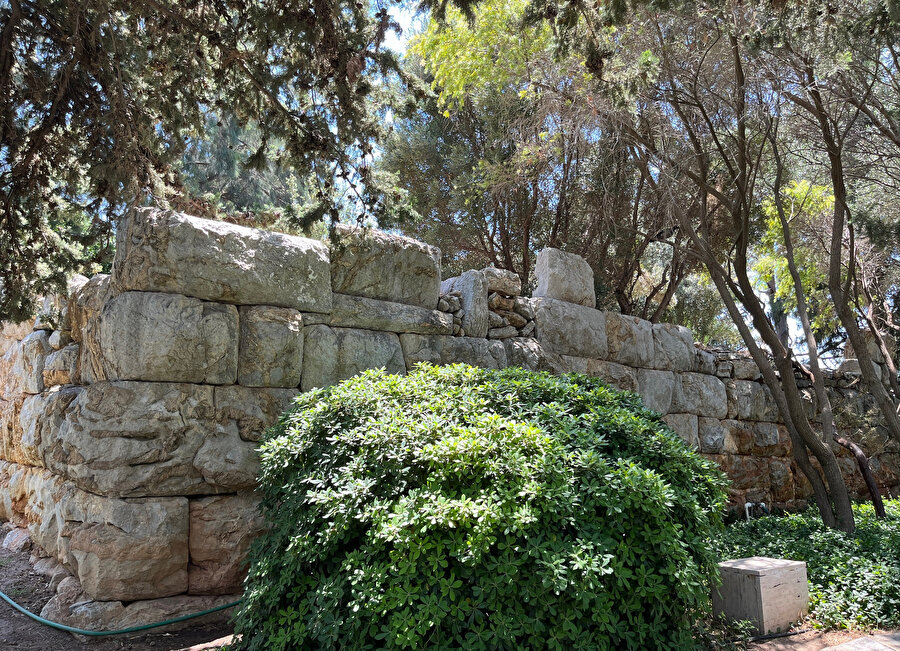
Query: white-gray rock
x=564, y=276
x=248, y=412
x=712, y=436
x=629, y=340
x=59, y=339
x=657, y=389
x=168, y=338
x=85, y=303
x=28, y=370
x=334, y=354
x=746, y=400
x=673, y=346
x=745, y=369
x=271, y=347
x=375, y=264
x=616, y=375
x=165, y=251
x=387, y=316
x=704, y=362
x=61, y=366
x=503, y=281
x=686, y=426
x=700, y=394
x=472, y=287
x=569, y=329
x=503, y=333
x=453, y=350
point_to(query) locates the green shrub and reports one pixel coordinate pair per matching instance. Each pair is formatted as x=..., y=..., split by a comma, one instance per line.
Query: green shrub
x=459, y=507
x=854, y=580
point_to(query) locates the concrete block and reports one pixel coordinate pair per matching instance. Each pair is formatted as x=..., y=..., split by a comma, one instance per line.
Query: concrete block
x=770, y=592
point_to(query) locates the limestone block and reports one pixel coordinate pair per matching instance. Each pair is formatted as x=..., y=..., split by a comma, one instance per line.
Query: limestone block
x=59, y=339
x=176, y=338
x=629, y=340
x=127, y=549
x=564, y=276
x=12, y=333
x=514, y=319
x=739, y=436
x=712, y=436
x=502, y=333
x=271, y=346
x=781, y=480
x=41, y=418
x=770, y=439
x=248, y=413
x=700, y=394
x=386, y=316
x=724, y=369
x=657, y=388
x=745, y=369
x=746, y=472
x=31, y=497
x=527, y=353
x=61, y=366
x=375, y=264
x=221, y=530
x=522, y=307
x=131, y=438
x=621, y=377
x=704, y=362
x=503, y=281
x=569, y=329
x=85, y=303
x=165, y=251
x=673, y=347
x=11, y=429
x=453, y=350
x=770, y=592
x=686, y=426
x=472, y=286
x=334, y=354
x=225, y=460
x=746, y=400
x=28, y=369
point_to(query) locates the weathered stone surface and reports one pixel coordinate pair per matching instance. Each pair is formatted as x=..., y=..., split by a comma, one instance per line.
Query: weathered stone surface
x=564, y=276
x=745, y=369
x=130, y=438
x=221, y=530
x=17, y=540
x=375, y=264
x=61, y=366
x=180, y=339
x=703, y=395
x=28, y=369
x=42, y=417
x=271, y=346
x=724, y=369
x=502, y=333
x=522, y=307
x=453, y=350
x=739, y=436
x=165, y=251
x=781, y=480
x=247, y=413
x=712, y=436
x=704, y=362
x=85, y=303
x=503, y=281
x=12, y=333
x=225, y=460
x=686, y=426
x=334, y=354
x=127, y=549
x=673, y=347
x=473, y=293
x=629, y=340
x=514, y=319
x=59, y=339
x=771, y=440
x=746, y=400
x=621, y=377
x=569, y=329
x=386, y=316
x=657, y=389
x=499, y=302
x=496, y=321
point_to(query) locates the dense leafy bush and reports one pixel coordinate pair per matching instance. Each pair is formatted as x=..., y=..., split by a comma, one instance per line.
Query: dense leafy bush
x=459, y=507
x=854, y=580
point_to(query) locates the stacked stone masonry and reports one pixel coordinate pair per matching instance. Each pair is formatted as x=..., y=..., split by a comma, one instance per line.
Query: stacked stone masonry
x=131, y=409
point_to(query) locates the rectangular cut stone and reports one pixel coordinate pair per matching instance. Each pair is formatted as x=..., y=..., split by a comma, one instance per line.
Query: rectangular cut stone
x=616, y=375
x=271, y=347
x=673, y=347
x=453, y=350
x=529, y=354
x=502, y=281
x=564, y=276
x=166, y=251
x=629, y=340
x=686, y=426
x=28, y=368
x=334, y=354
x=379, y=265
x=85, y=303
x=250, y=412
x=221, y=530
x=746, y=400
x=700, y=394
x=168, y=338
x=387, y=316
x=657, y=389
x=569, y=329
x=770, y=592
x=472, y=286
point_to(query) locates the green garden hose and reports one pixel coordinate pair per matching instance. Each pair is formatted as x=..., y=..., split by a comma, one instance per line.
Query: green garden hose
x=133, y=629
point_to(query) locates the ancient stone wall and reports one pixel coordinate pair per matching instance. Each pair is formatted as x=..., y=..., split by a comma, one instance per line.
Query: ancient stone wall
x=131, y=409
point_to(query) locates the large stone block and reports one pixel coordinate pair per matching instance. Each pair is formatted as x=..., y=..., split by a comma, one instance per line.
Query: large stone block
x=334, y=354
x=386, y=316
x=165, y=251
x=473, y=287
x=375, y=264
x=502, y=281
x=247, y=413
x=28, y=368
x=42, y=417
x=657, y=389
x=564, y=276
x=271, y=347
x=746, y=400
x=130, y=438
x=629, y=340
x=85, y=303
x=453, y=350
x=168, y=338
x=221, y=530
x=61, y=366
x=673, y=347
x=569, y=329
x=621, y=377
x=703, y=395
x=686, y=426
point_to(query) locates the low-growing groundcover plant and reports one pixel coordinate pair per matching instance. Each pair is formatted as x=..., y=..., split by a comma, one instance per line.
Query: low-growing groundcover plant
x=457, y=507
x=854, y=580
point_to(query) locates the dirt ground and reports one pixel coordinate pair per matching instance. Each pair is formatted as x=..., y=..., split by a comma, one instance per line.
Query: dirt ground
x=810, y=641
x=31, y=591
